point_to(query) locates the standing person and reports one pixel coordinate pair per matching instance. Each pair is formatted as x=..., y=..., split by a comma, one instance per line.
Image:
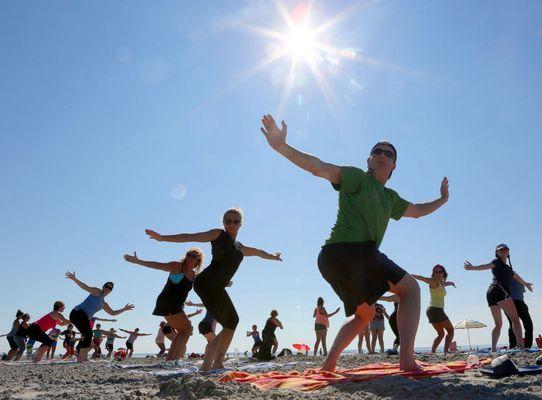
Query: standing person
x=516, y=292
x=393, y=320
x=81, y=314
x=97, y=341
x=498, y=293
x=350, y=260
x=321, y=324
x=257, y=340
x=364, y=334
x=110, y=340
x=210, y=285
x=269, y=340
x=13, y=349
x=20, y=336
x=36, y=330
x=435, y=312
x=54, y=334
x=131, y=339
x=160, y=338
x=69, y=341
x=170, y=301
x=206, y=326
x=377, y=327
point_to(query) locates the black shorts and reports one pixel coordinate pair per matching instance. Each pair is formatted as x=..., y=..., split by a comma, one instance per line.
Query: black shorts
x=109, y=347
x=357, y=272
x=495, y=294
x=436, y=315
x=35, y=333
x=80, y=319
x=129, y=345
x=320, y=327
x=216, y=300
x=204, y=328
x=12, y=344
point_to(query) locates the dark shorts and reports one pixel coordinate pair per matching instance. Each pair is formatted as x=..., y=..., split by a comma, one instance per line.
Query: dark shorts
x=129, y=345
x=357, y=272
x=34, y=332
x=12, y=344
x=495, y=294
x=80, y=319
x=436, y=315
x=216, y=300
x=320, y=327
x=204, y=328
x=109, y=347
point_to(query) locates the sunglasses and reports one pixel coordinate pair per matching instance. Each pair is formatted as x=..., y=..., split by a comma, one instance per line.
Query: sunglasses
x=108, y=287
x=192, y=255
x=387, y=153
x=228, y=221
x=439, y=271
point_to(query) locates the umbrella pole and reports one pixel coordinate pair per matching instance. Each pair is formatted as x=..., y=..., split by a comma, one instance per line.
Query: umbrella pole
x=468, y=334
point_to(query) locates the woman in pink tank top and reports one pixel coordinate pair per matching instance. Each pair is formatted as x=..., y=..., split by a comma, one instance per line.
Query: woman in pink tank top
x=321, y=324
x=37, y=330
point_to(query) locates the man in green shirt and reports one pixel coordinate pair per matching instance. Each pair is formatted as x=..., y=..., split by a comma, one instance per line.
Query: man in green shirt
x=349, y=260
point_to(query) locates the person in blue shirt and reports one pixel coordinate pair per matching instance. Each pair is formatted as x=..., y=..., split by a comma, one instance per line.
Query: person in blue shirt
x=516, y=292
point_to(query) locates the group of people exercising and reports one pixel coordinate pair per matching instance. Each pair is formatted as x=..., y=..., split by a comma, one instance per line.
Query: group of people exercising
x=349, y=260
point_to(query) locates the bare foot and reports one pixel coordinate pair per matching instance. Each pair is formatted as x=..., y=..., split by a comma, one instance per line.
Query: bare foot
x=329, y=365
x=218, y=365
x=410, y=366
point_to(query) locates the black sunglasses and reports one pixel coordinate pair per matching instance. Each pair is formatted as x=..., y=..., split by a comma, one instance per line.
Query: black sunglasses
x=108, y=287
x=192, y=255
x=228, y=221
x=387, y=153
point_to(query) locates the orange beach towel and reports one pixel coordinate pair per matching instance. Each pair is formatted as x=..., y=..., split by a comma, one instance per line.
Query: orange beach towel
x=313, y=379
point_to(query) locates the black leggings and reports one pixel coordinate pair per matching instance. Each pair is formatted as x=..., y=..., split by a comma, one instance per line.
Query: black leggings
x=80, y=319
x=525, y=317
x=393, y=326
x=217, y=302
x=264, y=352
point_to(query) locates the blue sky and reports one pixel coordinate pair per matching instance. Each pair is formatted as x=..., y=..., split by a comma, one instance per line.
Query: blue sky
x=122, y=116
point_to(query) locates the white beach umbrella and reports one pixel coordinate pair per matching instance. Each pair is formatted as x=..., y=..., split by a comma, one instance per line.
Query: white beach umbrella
x=469, y=324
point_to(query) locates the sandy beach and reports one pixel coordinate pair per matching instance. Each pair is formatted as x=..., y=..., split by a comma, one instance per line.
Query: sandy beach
x=147, y=378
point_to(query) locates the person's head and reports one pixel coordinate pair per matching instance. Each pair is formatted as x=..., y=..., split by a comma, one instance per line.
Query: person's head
x=98, y=326
x=274, y=313
x=193, y=259
x=19, y=314
x=112, y=330
x=136, y=330
x=70, y=327
x=439, y=272
x=163, y=323
x=107, y=288
x=320, y=302
x=25, y=317
x=502, y=251
x=58, y=306
x=254, y=327
x=232, y=220
x=382, y=160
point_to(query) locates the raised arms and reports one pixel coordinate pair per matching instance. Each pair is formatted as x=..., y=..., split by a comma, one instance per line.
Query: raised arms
x=250, y=251
x=423, y=209
x=469, y=267
x=168, y=267
x=92, y=290
x=208, y=236
x=110, y=311
x=277, y=140
x=429, y=281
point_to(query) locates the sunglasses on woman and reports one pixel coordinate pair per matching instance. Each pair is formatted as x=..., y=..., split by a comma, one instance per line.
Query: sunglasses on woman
x=228, y=221
x=387, y=153
x=192, y=255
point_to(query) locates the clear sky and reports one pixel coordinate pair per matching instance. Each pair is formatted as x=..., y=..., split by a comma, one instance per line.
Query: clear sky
x=121, y=116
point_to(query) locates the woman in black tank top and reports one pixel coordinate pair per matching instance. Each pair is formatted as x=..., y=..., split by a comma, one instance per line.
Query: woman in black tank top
x=211, y=283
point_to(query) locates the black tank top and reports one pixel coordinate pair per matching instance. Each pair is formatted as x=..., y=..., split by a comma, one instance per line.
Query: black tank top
x=227, y=257
x=176, y=292
x=270, y=326
x=502, y=274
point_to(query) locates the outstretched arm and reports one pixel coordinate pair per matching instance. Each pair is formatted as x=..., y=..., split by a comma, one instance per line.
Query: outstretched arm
x=392, y=298
x=168, y=267
x=105, y=319
x=277, y=140
x=429, y=281
x=125, y=330
x=199, y=311
x=208, y=236
x=279, y=324
x=120, y=337
x=520, y=280
x=449, y=283
x=423, y=209
x=334, y=312
x=190, y=304
x=251, y=251
x=110, y=311
x=469, y=267
x=144, y=334
x=92, y=290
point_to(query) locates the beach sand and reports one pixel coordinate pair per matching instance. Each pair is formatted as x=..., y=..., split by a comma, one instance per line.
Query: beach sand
x=102, y=380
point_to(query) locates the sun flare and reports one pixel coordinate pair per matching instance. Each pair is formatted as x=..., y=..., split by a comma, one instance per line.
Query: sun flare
x=300, y=42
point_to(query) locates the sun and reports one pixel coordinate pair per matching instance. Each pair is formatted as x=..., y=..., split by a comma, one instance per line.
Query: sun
x=300, y=42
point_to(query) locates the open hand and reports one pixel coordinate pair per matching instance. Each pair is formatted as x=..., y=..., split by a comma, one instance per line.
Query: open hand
x=444, y=193
x=199, y=311
x=275, y=137
x=468, y=266
x=277, y=257
x=130, y=258
x=128, y=307
x=71, y=275
x=153, y=235
x=529, y=286
x=189, y=303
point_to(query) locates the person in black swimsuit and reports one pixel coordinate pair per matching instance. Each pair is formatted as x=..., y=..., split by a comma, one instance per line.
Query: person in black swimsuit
x=210, y=285
x=498, y=294
x=170, y=301
x=393, y=320
x=269, y=339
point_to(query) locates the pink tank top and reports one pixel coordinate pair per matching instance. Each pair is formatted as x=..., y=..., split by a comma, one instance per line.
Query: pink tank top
x=46, y=322
x=321, y=319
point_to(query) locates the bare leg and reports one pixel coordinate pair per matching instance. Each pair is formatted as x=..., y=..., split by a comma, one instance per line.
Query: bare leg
x=275, y=346
x=83, y=354
x=367, y=335
x=317, y=344
x=408, y=317
x=440, y=335
x=510, y=310
x=381, y=339
x=373, y=341
x=496, y=332
x=39, y=353
x=364, y=314
x=324, y=344
x=447, y=325
x=223, y=340
x=209, y=337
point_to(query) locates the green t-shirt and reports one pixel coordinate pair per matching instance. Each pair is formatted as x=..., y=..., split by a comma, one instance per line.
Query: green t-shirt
x=365, y=207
